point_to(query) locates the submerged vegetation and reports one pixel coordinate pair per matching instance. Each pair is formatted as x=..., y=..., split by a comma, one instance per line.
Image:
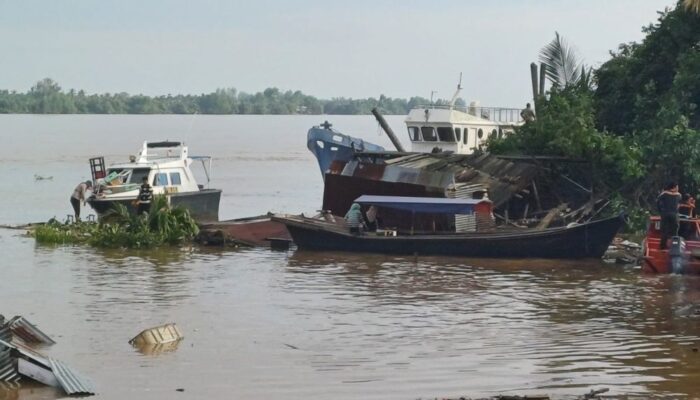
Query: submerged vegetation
x=163, y=225
x=636, y=122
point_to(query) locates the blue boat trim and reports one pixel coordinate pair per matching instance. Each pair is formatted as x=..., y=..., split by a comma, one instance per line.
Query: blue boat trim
x=328, y=145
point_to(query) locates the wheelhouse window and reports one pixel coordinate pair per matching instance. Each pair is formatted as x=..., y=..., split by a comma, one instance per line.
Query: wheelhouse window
x=428, y=133
x=175, y=178
x=458, y=133
x=414, y=134
x=466, y=135
x=160, y=179
x=446, y=134
x=480, y=134
x=137, y=175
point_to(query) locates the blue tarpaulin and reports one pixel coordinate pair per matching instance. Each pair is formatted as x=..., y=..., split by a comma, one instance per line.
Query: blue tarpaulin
x=431, y=205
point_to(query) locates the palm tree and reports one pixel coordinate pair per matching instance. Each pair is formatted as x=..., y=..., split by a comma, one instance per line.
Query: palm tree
x=692, y=5
x=562, y=65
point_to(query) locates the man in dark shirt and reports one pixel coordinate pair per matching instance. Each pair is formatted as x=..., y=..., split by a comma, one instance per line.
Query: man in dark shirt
x=667, y=204
x=145, y=197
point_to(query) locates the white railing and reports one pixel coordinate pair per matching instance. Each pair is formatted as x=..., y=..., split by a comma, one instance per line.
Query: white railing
x=495, y=114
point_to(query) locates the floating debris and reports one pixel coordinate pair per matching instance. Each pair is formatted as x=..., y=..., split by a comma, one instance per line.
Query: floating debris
x=42, y=178
x=168, y=333
x=28, y=332
x=18, y=360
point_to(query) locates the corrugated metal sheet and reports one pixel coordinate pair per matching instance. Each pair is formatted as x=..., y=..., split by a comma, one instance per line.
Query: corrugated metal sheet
x=502, y=177
x=71, y=381
x=8, y=371
x=28, y=332
x=5, y=332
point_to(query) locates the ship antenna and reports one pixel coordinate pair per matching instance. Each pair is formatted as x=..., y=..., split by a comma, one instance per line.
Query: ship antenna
x=459, y=89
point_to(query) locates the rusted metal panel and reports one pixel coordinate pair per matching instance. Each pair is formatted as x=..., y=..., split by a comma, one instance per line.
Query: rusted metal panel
x=70, y=380
x=28, y=332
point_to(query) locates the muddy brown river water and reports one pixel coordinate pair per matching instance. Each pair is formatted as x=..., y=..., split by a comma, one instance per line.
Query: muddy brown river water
x=300, y=325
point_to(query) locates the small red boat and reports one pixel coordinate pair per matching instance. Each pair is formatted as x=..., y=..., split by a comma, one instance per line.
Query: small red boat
x=682, y=255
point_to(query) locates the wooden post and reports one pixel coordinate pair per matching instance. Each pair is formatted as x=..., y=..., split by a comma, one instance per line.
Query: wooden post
x=533, y=75
x=537, y=196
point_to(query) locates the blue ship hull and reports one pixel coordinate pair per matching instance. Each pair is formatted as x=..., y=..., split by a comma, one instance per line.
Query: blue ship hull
x=329, y=145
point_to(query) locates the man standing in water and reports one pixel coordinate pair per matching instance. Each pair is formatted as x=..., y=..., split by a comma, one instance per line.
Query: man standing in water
x=145, y=197
x=667, y=204
x=79, y=196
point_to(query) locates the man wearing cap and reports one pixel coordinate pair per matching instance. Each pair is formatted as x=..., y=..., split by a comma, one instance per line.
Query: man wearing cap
x=79, y=196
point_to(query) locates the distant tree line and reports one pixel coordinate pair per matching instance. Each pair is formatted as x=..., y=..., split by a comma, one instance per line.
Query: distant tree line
x=47, y=97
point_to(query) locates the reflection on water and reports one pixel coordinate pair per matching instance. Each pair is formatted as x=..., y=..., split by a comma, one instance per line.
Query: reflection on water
x=306, y=324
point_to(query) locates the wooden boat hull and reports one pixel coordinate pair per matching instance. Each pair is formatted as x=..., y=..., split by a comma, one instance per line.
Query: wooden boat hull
x=589, y=240
x=203, y=204
x=253, y=231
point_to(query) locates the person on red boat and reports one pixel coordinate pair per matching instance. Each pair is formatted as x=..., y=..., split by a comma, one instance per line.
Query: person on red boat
x=687, y=207
x=667, y=204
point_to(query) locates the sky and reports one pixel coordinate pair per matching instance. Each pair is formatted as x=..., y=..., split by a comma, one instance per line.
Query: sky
x=357, y=48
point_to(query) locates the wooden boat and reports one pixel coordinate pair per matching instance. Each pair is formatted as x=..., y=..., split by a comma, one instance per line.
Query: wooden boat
x=585, y=240
x=682, y=254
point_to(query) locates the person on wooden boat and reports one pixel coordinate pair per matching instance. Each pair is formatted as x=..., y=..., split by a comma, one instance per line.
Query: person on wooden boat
x=527, y=114
x=354, y=218
x=79, y=196
x=687, y=207
x=371, y=219
x=145, y=197
x=667, y=204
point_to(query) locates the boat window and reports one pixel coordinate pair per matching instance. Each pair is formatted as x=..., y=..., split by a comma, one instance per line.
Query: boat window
x=446, y=134
x=137, y=175
x=500, y=132
x=480, y=134
x=414, y=134
x=175, y=178
x=428, y=133
x=493, y=134
x=160, y=179
x=458, y=133
x=466, y=135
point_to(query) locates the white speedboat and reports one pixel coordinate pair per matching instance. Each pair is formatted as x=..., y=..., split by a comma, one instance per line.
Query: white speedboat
x=167, y=165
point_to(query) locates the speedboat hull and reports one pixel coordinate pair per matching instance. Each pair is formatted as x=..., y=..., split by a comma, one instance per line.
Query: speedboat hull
x=203, y=204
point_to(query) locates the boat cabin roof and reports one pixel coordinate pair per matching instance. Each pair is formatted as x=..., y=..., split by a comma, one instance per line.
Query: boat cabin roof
x=432, y=205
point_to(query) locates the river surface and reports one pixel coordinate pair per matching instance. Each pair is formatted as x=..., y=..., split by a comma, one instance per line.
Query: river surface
x=301, y=325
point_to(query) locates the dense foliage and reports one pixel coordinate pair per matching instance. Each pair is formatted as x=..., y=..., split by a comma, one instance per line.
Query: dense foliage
x=162, y=225
x=47, y=97
x=637, y=124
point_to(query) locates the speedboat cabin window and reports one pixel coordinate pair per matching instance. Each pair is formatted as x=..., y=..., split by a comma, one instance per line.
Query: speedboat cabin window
x=458, y=133
x=414, y=134
x=160, y=179
x=137, y=175
x=466, y=135
x=175, y=178
x=480, y=134
x=446, y=134
x=428, y=133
